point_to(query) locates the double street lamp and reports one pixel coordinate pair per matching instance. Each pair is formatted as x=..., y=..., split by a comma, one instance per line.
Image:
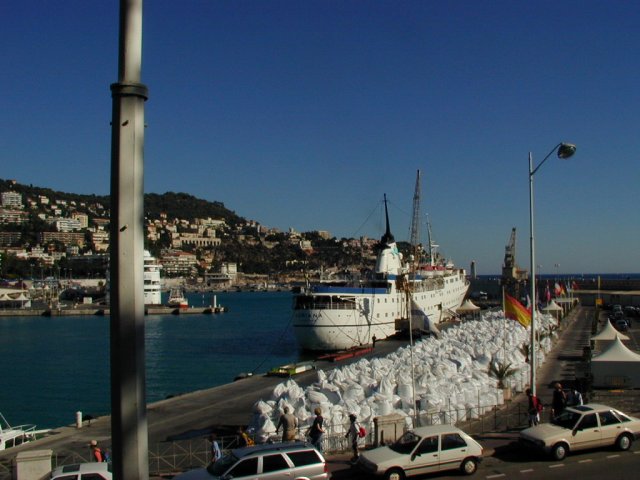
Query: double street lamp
x=563, y=150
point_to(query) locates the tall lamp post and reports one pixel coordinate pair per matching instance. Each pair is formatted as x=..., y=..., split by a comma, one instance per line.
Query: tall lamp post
x=563, y=150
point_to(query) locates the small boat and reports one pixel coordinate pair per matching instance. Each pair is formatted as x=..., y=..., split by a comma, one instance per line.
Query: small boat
x=14, y=436
x=177, y=299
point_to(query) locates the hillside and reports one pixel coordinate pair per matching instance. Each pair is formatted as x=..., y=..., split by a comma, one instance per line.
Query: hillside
x=174, y=205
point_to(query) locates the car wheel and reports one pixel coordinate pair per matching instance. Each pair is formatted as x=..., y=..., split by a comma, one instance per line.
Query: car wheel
x=394, y=474
x=624, y=442
x=469, y=466
x=559, y=451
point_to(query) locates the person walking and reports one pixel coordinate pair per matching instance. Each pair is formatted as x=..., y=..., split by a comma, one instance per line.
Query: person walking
x=96, y=453
x=534, y=409
x=352, y=434
x=216, y=453
x=289, y=424
x=559, y=401
x=316, y=431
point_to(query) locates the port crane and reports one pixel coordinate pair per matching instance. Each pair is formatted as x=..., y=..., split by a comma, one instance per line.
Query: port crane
x=513, y=277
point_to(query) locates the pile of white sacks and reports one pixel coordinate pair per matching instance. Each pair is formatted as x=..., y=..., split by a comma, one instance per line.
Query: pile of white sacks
x=452, y=379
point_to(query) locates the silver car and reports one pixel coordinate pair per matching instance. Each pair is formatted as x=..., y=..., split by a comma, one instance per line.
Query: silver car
x=276, y=461
x=423, y=450
x=582, y=427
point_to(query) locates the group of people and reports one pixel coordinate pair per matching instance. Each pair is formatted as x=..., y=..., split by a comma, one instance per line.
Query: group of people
x=560, y=400
x=289, y=424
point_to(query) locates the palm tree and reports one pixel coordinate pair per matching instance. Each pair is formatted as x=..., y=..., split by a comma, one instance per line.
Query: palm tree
x=501, y=371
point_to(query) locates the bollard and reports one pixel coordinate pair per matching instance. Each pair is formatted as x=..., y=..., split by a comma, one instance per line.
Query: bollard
x=78, y=419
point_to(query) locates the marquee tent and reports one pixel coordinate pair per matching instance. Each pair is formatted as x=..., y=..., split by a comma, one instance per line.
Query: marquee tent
x=609, y=333
x=617, y=367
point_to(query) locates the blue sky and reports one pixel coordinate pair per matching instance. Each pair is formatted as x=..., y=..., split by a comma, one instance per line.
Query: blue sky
x=304, y=113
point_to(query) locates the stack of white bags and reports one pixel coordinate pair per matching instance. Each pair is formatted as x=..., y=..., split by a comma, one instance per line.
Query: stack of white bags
x=452, y=380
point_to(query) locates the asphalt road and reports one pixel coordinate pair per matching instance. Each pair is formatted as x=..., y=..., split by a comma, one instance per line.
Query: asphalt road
x=512, y=462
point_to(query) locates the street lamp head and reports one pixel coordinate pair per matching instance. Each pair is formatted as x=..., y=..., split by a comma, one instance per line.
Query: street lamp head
x=566, y=150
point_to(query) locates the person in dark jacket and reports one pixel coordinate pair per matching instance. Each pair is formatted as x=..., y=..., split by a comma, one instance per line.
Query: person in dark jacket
x=559, y=401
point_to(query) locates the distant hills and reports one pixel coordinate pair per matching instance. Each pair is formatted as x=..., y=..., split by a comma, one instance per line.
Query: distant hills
x=174, y=205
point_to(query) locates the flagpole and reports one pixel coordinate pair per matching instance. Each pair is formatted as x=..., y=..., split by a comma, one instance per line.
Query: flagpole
x=504, y=327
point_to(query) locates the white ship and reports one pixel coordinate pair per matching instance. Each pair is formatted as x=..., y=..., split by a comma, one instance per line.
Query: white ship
x=152, y=285
x=329, y=317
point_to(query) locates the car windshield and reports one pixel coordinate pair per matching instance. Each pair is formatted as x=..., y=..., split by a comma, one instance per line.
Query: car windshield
x=567, y=419
x=406, y=443
x=222, y=465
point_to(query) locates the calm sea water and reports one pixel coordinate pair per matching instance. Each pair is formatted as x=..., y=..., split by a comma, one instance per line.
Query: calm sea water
x=53, y=367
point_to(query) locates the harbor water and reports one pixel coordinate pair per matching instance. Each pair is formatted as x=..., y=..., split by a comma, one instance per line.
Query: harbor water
x=53, y=367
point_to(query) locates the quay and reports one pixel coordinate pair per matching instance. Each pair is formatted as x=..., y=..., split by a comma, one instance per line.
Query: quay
x=89, y=310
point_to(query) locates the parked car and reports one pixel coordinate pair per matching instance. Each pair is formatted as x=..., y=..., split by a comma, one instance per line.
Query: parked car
x=83, y=471
x=621, y=325
x=274, y=461
x=423, y=450
x=582, y=427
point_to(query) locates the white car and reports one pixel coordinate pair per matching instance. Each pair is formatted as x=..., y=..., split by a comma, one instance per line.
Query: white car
x=582, y=427
x=423, y=450
x=83, y=471
x=275, y=461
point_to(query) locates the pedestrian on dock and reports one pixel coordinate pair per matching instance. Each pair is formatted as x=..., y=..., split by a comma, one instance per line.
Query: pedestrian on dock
x=352, y=434
x=96, y=453
x=559, y=401
x=289, y=424
x=244, y=440
x=216, y=453
x=534, y=409
x=316, y=431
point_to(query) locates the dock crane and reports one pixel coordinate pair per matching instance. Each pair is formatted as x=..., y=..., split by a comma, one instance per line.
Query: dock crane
x=512, y=276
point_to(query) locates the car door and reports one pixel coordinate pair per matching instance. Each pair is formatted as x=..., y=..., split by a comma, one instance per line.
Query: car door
x=586, y=433
x=453, y=449
x=610, y=427
x=246, y=469
x=276, y=467
x=425, y=457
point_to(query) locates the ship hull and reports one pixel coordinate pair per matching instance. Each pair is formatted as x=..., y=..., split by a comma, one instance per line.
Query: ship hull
x=339, y=318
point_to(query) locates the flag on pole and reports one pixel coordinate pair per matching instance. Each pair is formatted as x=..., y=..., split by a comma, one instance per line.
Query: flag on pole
x=514, y=310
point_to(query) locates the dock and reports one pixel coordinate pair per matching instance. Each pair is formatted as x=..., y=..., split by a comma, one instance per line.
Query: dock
x=91, y=310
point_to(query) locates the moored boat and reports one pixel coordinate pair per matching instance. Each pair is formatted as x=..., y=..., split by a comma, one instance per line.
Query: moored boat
x=152, y=281
x=394, y=297
x=12, y=436
x=177, y=299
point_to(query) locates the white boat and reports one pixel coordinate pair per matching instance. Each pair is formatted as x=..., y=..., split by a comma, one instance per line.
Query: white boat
x=152, y=282
x=14, y=436
x=177, y=298
x=328, y=317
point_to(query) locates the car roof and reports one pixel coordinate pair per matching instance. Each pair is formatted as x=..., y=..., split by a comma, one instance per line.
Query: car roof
x=87, y=467
x=591, y=407
x=436, y=429
x=271, y=447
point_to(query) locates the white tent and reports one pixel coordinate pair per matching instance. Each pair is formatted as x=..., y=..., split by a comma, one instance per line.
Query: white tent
x=609, y=333
x=617, y=366
x=467, y=307
x=552, y=306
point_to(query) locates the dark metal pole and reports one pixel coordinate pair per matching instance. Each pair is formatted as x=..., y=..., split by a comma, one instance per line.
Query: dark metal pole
x=128, y=402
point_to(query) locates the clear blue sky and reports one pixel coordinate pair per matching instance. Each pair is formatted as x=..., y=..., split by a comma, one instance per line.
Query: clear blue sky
x=304, y=113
